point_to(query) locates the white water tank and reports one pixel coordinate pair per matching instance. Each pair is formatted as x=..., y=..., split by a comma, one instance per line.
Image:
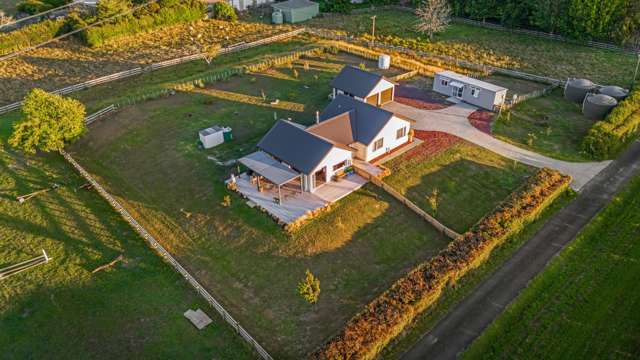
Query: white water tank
x=384, y=61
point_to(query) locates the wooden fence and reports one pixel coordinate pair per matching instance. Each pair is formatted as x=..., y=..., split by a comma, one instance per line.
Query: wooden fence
x=532, y=95
x=546, y=35
x=168, y=257
x=95, y=116
x=443, y=229
x=146, y=68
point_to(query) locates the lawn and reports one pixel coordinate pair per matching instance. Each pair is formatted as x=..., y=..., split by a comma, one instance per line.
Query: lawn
x=470, y=181
x=492, y=47
x=585, y=304
x=549, y=125
x=148, y=158
x=60, y=309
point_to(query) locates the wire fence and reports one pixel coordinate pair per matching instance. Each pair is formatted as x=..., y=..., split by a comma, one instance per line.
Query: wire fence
x=167, y=256
x=146, y=68
x=532, y=95
x=95, y=116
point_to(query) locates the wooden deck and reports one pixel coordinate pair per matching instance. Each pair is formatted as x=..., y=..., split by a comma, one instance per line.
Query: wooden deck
x=296, y=204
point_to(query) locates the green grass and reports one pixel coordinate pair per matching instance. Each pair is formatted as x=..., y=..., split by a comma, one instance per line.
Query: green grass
x=470, y=180
x=585, y=304
x=147, y=157
x=455, y=293
x=493, y=47
x=62, y=310
x=555, y=126
x=8, y=6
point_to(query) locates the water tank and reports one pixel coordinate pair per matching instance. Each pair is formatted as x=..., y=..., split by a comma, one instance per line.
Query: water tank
x=277, y=17
x=384, y=61
x=598, y=106
x=576, y=89
x=615, y=92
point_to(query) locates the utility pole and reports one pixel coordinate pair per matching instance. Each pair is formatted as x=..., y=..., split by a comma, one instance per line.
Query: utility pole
x=373, y=30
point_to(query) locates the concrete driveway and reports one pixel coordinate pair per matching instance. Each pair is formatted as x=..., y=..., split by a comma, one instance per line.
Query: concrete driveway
x=454, y=120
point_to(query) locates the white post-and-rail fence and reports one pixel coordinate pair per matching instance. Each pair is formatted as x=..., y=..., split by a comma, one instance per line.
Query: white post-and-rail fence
x=95, y=116
x=146, y=68
x=168, y=257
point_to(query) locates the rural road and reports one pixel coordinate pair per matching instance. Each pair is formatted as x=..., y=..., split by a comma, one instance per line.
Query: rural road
x=453, y=334
x=454, y=120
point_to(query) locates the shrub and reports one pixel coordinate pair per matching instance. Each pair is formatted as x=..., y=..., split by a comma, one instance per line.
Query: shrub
x=49, y=122
x=309, y=287
x=610, y=136
x=30, y=35
x=108, y=8
x=336, y=6
x=386, y=316
x=224, y=11
x=170, y=13
x=38, y=6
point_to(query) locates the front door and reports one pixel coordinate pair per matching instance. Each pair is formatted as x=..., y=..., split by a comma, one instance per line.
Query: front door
x=321, y=176
x=457, y=91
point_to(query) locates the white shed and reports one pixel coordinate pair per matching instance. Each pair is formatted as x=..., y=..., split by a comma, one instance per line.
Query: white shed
x=213, y=136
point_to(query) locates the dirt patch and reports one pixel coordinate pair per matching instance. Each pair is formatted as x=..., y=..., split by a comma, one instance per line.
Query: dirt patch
x=420, y=98
x=482, y=120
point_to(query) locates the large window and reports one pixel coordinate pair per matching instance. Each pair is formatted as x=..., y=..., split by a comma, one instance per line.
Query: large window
x=378, y=144
x=402, y=132
x=444, y=82
x=339, y=166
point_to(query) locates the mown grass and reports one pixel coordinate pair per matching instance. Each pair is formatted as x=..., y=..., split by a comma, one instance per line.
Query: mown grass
x=62, y=310
x=584, y=305
x=455, y=293
x=470, y=182
x=493, y=47
x=147, y=156
x=549, y=125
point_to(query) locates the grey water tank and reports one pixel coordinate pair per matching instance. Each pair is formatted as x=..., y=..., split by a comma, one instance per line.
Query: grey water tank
x=576, y=89
x=615, y=92
x=598, y=106
x=277, y=17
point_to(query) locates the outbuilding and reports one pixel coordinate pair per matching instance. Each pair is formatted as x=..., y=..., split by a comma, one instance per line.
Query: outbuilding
x=243, y=5
x=473, y=91
x=214, y=136
x=295, y=11
x=363, y=85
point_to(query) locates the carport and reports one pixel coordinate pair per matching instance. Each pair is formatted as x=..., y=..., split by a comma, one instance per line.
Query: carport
x=271, y=169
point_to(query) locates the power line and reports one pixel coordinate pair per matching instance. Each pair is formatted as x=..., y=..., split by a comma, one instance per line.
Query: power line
x=25, y=50
x=39, y=14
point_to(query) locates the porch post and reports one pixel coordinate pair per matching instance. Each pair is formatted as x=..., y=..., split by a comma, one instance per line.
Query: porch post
x=279, y=196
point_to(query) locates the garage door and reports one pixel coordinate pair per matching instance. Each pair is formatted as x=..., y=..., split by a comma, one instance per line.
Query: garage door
x=386, y=96
x=373, y=100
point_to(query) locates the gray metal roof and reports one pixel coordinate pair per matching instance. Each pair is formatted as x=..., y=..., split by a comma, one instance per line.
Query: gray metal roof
x=272, y=169
x=208, y=131
x=293, y=4
x=356, y=81
x=296, y=147
x=471, y=81
x=366, y=120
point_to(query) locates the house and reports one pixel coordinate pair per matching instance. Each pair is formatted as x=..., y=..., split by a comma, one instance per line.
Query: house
x=348, y=130
x=295, y=11
x=243, y=5
x=362, y=85
x=473, y=91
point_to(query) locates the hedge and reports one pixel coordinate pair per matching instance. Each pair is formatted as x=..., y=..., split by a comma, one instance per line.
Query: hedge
x=30, y=35
x=610, y=136
x=385, y=317
x=187, y=11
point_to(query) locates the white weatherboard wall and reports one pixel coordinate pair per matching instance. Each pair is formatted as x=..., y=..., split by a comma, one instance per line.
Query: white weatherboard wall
x=389, y=135
x=335, y=156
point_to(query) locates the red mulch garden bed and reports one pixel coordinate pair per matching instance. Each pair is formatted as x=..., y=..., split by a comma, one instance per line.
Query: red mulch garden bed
x=481, y=120
x=420, y=98
x=434, y=143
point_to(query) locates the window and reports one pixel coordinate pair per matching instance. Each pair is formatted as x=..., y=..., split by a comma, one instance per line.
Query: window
x=378, y=144
x=445, y=82
x=339, y=166
x=475, y=92
x=402, y=132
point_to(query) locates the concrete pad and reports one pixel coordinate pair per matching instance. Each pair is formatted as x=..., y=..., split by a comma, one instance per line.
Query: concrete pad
x=198, y=318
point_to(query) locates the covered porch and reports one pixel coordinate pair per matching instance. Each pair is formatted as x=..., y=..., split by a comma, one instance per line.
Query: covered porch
x=267, y=173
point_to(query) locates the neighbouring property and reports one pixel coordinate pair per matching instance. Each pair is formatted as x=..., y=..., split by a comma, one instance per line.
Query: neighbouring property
x=295, y=11
x=245, y=4
x=362, y=85
x=473, y=91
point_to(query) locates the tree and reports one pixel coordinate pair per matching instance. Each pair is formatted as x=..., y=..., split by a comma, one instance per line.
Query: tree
x=224, y=11
x=108, y=8
x=49, y=122
x=309, y=288
x=433, y=16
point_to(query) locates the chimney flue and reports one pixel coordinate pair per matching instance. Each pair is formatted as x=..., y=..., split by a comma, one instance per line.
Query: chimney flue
x=317, y=117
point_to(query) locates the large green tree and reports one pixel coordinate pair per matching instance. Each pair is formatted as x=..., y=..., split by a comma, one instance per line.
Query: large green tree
x=49, y=122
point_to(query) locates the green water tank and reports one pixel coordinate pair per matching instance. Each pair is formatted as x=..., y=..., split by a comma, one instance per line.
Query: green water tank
x=227, y=134
x=276, y=17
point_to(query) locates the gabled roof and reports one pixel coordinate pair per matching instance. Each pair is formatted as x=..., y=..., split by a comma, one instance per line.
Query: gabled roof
x=471, y=81
x=296, y=147
x=357, y=81
x=366, y=121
